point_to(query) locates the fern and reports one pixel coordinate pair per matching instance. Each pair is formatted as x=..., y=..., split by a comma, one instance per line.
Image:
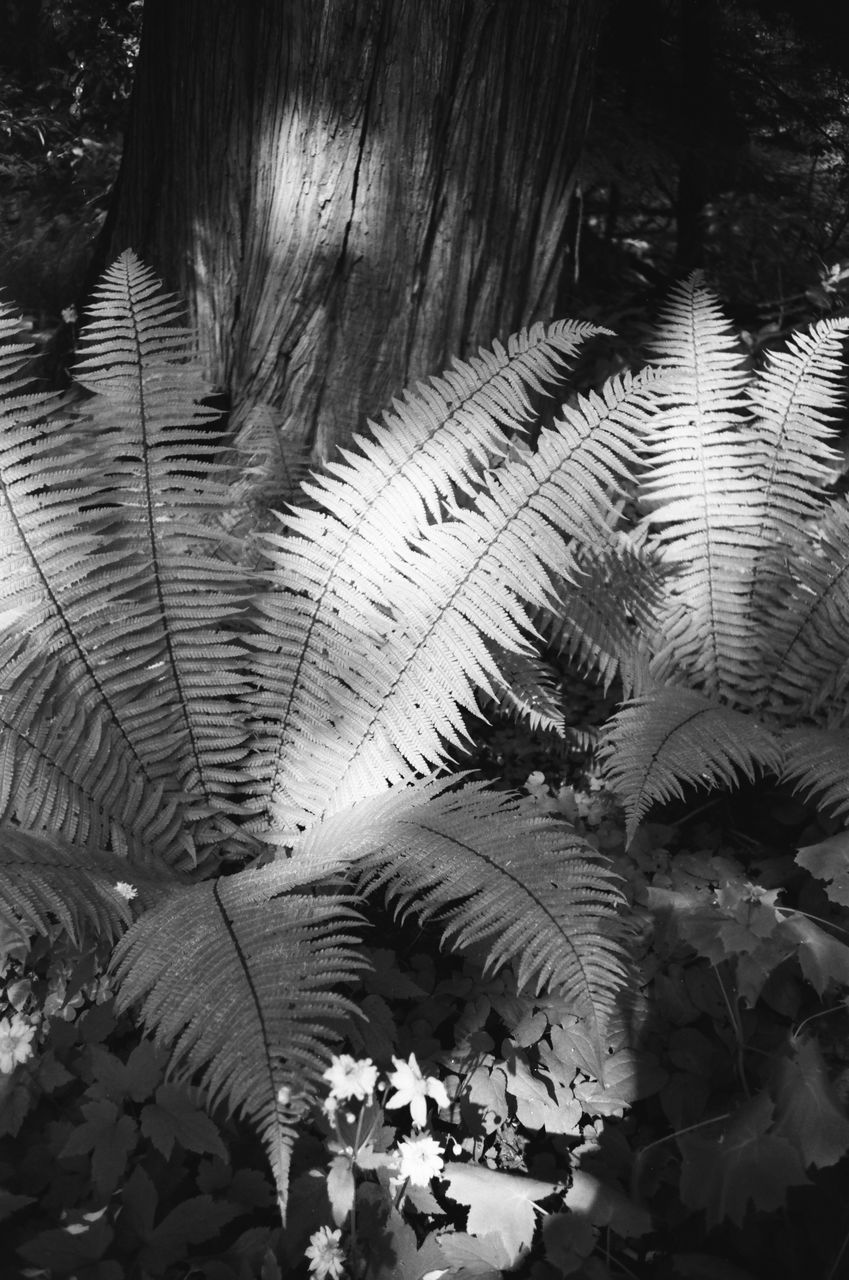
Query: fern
x=186, y=691
x=164, y=711
x=672, y=737
x=747, y=647
x=699, y=496
x=334, y=569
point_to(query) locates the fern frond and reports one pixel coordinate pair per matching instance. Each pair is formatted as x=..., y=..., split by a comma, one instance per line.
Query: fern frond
x=496, y=875
x=816, y=762
x=793, y=398
x=44, y=879
x=149, y=433
x=331, y=570
x=675, y=737
x=65, y=639
x=236, y=978
x=699, y=497
x=807, y=641
x=398, y=699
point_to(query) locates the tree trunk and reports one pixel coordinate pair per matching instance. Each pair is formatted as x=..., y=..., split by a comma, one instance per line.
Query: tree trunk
x=347, y=193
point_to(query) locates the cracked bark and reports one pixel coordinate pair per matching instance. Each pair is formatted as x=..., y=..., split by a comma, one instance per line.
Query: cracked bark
x=347, y=193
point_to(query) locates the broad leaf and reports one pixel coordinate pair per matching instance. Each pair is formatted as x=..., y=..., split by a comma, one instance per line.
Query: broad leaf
x=744, y=1163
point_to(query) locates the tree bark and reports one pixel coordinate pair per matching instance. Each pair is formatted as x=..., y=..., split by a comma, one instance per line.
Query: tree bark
x=347, y=193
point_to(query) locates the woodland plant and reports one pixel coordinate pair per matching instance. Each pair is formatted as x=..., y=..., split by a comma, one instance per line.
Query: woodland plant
x=221, y=742
x=253, y=751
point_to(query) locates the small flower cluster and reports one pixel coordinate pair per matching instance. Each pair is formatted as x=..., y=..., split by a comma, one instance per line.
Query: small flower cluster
x=419, y=1157
x=353, y=1084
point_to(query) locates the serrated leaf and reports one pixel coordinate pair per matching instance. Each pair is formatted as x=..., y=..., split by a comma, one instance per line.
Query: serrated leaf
x=745, y=1162
x=533, y=1102
x=474, y=1257
x=488, y=1090
x=499, y=1203
x=191, y=1222
x=829, y=860
x=809, y=1113
x=573, y=1048
x=174, y=1117
x=109, y=1136
x=824, y=959
x=52, y=1074
x=568, y=1238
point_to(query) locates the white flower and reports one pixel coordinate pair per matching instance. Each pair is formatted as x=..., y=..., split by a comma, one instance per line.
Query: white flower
x=69, y=315
x=15, y=1042
x=349, y=1078
x=421, y=1159
x=413, y=1088
x=128, y=891
x=325, y=1254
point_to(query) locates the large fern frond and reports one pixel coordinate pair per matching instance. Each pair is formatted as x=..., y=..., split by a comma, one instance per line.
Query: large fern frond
x=699, y=496
x=329, y=587
x=149, y=437
x=62, y=717
x=816, y=762
x=807, y=640
x=675, y=737
x=524, y=889
x=399, y=697
x=237, y=977
x=793, y=397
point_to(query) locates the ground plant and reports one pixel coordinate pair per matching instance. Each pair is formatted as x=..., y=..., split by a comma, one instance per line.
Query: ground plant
x=258, y=916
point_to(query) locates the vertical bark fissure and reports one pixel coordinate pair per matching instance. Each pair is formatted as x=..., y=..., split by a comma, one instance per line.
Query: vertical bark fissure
x=337, y=279
x=440, y=150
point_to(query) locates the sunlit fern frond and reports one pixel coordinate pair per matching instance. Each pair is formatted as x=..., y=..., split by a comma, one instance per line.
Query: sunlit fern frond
x=698, y=495
x=393, y=701
x=238, y=978
x=816, y=762
x=675, y=737
x=794, y=397
x=524, y=889
x=331, y=571
x=806, y=642
x=148, y=434
x=65, y=638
